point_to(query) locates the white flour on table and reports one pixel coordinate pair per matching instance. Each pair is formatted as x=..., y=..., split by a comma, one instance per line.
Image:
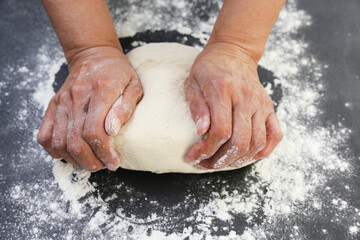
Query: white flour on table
x=296, y=176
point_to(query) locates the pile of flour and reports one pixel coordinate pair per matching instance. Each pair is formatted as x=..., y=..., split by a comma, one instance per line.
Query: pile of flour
x=293, y=183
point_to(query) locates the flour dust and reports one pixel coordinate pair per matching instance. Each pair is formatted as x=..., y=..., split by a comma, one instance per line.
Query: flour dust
x=295, y=182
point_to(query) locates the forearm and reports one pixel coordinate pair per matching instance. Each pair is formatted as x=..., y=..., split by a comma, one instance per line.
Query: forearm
x=247, y=24
x=81, y=24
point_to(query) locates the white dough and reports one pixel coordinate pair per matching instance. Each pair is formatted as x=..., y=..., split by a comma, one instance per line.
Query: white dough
x=161, y=131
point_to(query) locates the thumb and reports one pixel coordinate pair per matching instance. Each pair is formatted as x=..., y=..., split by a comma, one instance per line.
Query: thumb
x=123, y=107
x=200, y=112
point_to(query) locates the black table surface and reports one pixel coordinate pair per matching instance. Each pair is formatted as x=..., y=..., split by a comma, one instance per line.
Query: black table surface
x=333, y=37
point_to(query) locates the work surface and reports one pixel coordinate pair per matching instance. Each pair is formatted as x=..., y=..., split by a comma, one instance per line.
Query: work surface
x=308, y=189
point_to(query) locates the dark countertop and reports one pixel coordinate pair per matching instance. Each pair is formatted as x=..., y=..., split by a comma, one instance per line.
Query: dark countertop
x=32, y=205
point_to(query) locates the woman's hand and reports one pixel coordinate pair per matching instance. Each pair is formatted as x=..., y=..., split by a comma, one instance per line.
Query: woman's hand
x=98, y=96
x=231, y=109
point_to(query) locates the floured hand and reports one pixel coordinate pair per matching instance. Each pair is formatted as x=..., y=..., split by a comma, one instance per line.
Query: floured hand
x=231, y=109
x=98, y=96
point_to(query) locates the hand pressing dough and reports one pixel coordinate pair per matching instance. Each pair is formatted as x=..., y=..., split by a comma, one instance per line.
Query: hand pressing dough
x=161, y=131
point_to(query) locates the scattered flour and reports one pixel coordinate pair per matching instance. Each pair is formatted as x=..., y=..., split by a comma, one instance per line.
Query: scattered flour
x=75, y=180
x=296, y=180
x=353, y=230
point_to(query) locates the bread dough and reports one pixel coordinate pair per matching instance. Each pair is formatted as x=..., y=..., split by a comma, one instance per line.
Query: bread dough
x=161, y=131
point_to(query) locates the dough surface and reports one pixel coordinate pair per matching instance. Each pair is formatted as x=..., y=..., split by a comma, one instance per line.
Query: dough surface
x=161, y=131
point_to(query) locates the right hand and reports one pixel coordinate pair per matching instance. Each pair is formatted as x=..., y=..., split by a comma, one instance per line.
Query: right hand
x=231, y=108
x=98, y=96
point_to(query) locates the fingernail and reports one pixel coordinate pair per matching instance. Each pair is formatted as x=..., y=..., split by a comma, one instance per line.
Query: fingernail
x=112, y=126
x=220, y=163
x=236, y=164
x=259, y=149
x=199, y=167
x=198, y=160
x=242, y=161
x=112, y=167
x=199, y=123
x=95, y=168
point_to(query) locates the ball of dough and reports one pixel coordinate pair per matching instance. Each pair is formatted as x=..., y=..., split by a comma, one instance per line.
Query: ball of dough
x=161, y=131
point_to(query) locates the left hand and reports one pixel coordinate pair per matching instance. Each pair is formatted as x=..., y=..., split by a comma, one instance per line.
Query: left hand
x=98, y=96
x=231, y=109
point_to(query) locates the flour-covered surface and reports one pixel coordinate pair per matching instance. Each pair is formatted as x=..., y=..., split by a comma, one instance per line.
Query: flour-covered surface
x=307, y=189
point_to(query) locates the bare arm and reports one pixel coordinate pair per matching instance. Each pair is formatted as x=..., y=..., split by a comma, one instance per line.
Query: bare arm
x=229, y=105
x=81, y=25
x=246, y=24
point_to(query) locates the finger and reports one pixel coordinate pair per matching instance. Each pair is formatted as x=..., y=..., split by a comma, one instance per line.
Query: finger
x=220, y=127
x=78, y=149
x=273, y=136
x=124, y=106
x=58, y=142
x=94, y=127
x=258, y=140
x=237, y=146
x=46, y=129
x=199, y=110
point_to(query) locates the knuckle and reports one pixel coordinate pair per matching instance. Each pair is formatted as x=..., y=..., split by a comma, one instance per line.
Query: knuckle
x=99, y=84
x=264, y=154
x=75, y=147
x=194, y=105
x=242, y=146
x=76, y=91
x=43, y=138
x=53, y=100
x=269, y=103
x=191, y=87
x=279, y=136
x=259, y=143
x=138, y=90
x=85, y=68
x=129, y=73
x=93, y=139
x=189, y=84
x=245, y=90
x=61, y=97
x=259, y=137
x=89, y=135
x=223, y=134
x=260, y=99
x=223, y=81
x=58, y=145
x=57, y=99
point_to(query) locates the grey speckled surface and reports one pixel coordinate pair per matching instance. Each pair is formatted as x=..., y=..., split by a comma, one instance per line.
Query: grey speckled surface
x=334, y=38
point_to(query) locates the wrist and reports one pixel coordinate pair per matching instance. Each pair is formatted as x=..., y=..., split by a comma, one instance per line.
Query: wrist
x=95, y=54
x=72, y=54
x=233, y=51
x=254, y=49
